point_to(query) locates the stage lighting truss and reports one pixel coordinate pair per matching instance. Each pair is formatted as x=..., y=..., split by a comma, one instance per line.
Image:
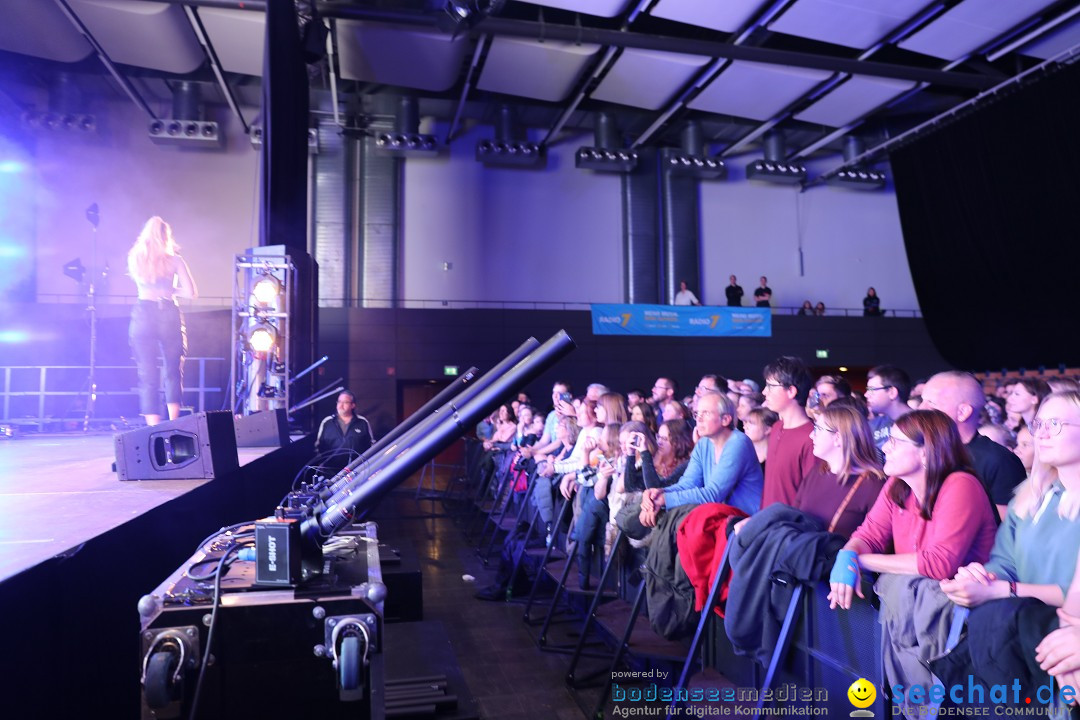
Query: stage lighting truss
x=678, y=162
x=404, y=144
x=511, y=154
x=858, y=178
x=262, y=306
x=776, y=172
x=604, y=160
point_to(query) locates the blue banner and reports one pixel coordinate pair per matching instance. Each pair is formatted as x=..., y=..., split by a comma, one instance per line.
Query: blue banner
x=681, y=320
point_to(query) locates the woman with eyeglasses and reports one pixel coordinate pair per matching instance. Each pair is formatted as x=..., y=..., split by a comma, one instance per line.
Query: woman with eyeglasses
x=932, y=516
x=1034, y=554
x=1018, y=594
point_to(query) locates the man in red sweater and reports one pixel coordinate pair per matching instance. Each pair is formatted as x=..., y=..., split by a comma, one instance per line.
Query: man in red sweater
x=790, y=455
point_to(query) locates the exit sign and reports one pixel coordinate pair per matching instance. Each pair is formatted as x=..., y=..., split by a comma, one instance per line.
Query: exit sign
x=822, y=354
x=450, y=370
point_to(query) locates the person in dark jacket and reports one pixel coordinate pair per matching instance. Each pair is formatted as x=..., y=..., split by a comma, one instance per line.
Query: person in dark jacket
x=344, y=435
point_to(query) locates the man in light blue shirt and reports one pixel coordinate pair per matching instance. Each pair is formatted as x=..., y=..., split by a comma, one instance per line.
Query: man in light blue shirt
x=723, y=466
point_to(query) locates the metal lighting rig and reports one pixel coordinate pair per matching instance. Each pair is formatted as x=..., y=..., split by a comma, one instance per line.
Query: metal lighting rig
x=283, y=616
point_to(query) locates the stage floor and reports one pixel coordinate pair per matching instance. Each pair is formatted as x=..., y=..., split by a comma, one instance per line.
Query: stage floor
x=58, y=491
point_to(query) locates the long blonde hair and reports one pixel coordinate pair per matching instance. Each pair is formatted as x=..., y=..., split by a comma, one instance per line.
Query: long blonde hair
x=151, y=257
x=860, y=457
x=1030, y=494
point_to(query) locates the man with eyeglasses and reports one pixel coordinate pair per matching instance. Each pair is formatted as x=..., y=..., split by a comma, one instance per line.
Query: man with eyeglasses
x=960, y=396
x=663, y=392
x=790, y=454
x=887, y=391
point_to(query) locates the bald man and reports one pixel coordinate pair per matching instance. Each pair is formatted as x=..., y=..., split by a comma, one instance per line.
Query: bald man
x=960, y=396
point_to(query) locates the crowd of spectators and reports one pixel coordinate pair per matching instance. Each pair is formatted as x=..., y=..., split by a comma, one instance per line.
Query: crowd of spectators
x=951, y=496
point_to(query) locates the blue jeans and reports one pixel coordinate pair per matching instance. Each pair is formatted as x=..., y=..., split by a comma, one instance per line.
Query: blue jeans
x=157, y=327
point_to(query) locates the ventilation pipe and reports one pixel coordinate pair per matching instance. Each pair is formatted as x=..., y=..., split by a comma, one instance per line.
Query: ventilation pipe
x=693, y=139
x=775, y=150
x=408, y=115
x=853, y=148
x=607, y=134
x=681, y=206
x=505, y=130
x=186, y=101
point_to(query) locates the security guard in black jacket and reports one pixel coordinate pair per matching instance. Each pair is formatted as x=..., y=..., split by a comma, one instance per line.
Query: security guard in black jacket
x=345, y=435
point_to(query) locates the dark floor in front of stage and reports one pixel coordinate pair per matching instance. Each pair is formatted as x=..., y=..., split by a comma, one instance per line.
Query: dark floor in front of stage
x=510, y=678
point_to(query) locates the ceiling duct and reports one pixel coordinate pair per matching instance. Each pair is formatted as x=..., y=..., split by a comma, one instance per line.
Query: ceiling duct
x=691, y=159
x=406, y=138
x=509, y=148
x=186, y=126
x=773, y=167
x=66, y=110
x=608, y=155
x=856, y=175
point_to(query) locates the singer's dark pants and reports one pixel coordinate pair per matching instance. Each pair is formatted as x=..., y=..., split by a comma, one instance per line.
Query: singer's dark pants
x=157, y=327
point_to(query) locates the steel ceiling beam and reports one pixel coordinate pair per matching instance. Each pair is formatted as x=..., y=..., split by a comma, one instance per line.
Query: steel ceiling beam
x=1064, y=57
x=125, y=84
x=666, y=43
x=992, y=84
x=829, y=84
x=702, y=79
x=215, y=64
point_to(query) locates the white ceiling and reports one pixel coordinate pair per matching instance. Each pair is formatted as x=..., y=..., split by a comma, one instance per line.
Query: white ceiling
x=647, y=78
x=158, y=36
x=144, y=34
x=61, y=42
x=541, y=70
x=722, y=15
x=756, y=90
x=970, y=25
x=395, y=55
x=852, y=23
x=238, y=38
x=852, y=100
x=601, y=8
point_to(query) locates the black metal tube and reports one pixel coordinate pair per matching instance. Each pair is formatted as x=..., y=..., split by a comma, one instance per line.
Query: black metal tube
x=433, y=405
x=392, y=468
x=422, y=424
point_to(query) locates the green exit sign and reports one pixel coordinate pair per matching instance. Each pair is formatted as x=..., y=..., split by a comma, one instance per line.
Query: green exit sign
x=450, y=370
x=822, y=354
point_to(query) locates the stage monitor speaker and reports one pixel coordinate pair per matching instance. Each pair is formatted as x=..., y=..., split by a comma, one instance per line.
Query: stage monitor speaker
x=195, y=447
x=269, y=428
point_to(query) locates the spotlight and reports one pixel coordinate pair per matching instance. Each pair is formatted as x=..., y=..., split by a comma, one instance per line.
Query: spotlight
x=173, y=128
x=266, y=290
x=262, y=337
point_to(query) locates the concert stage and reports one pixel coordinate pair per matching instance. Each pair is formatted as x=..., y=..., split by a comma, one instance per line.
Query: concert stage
x=78, y=548
x=68, y=479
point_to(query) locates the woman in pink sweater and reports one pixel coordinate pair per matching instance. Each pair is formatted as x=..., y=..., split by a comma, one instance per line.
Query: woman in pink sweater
x=932, y=517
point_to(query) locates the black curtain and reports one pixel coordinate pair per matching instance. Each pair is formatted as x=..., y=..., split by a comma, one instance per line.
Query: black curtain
x=990, y=210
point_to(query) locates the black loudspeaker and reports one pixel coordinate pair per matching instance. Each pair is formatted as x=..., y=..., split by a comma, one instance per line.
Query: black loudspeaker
x=195, y=447
x=269, y=428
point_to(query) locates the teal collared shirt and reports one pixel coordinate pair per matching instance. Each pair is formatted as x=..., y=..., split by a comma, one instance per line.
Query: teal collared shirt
x=1039, y=549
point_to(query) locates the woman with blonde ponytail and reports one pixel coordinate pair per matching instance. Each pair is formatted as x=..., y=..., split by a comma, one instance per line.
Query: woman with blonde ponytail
x=157, y=325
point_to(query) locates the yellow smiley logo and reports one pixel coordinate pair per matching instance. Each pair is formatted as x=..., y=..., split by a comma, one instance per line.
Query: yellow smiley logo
x=862, y=693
